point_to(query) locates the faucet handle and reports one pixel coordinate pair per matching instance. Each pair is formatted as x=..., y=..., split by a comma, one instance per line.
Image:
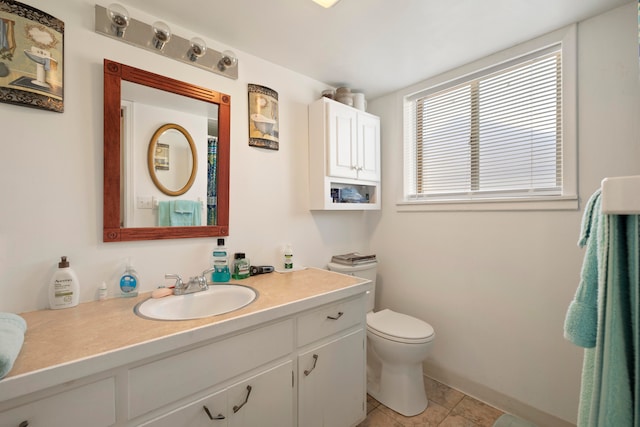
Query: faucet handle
x=208, y=271
x=179, y=284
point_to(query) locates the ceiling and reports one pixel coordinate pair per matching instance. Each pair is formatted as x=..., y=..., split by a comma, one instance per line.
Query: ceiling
x=373, y=46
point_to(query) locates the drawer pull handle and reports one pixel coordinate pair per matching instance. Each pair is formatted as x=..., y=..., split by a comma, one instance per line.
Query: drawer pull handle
x=211, y=417
x=236, y=408
x=336, y=317
x=308, y=371
x=25, y=423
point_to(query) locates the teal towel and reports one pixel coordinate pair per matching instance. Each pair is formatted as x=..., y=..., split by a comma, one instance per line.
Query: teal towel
x=164, y=220
x=581, y=322
x=610, y=390
x=12, y=329
x=185, y=212
x=179, y=213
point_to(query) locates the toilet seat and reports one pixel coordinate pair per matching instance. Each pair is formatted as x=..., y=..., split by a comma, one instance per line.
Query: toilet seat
x=399, y=327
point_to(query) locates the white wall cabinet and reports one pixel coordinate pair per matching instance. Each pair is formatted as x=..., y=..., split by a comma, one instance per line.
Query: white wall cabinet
x=251, y=378
x=344, y=155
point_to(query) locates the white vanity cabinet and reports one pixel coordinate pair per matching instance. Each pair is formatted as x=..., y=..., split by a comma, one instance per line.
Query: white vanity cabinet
x=344, y=155
x=301, y=363
x=331, y=368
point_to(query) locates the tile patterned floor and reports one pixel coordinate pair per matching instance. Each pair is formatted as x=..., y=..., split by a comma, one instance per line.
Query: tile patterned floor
x=447, y=408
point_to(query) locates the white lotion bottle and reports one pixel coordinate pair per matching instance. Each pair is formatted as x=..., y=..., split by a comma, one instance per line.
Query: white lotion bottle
x=64, y=289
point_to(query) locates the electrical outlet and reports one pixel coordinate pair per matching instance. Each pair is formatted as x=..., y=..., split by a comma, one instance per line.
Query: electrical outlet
x=144, y=202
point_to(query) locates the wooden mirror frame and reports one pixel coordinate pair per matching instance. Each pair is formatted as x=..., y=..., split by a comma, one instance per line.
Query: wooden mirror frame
x=151, y=159
x=114, y=74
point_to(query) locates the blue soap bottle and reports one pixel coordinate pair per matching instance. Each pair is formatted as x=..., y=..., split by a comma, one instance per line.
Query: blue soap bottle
x=129, y=281
x=220, y=261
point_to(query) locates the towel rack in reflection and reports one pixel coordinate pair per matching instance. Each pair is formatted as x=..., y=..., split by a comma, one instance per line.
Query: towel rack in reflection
x=621, y=195
x=155, y=202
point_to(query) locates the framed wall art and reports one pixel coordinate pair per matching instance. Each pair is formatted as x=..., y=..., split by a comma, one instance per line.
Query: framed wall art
x=31, y=57
x=263, y=117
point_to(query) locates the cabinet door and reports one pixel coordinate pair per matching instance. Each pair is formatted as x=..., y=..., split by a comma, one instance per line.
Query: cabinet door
x=332, y=387
x=342, y=141
x=368, y=147
x=265, y=400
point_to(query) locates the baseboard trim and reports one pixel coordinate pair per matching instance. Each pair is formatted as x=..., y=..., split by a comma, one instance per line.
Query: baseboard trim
x=497, y=400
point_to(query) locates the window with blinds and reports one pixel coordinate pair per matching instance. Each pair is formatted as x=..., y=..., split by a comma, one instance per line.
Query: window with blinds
x=493, y=134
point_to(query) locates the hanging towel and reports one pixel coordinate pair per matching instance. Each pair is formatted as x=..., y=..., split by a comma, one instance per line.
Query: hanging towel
x=164, y=219
x=12, y=329
x=609, y=395
x=179, y=213
x=581, y=322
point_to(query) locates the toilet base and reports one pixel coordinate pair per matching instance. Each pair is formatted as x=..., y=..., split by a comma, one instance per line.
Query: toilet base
x=400, y=388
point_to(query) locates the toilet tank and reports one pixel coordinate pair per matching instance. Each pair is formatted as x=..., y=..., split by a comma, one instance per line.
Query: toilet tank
x=365, y=271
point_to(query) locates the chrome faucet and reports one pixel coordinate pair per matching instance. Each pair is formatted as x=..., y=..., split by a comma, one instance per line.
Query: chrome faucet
x=195, y=284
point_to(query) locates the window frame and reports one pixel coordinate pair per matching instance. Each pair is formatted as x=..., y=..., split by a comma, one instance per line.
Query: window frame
x=568, y=200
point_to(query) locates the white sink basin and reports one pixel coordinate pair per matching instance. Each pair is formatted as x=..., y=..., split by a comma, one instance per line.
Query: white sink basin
x=218, y=299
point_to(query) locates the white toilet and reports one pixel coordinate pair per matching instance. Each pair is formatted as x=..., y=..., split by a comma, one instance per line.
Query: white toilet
x=397, y=344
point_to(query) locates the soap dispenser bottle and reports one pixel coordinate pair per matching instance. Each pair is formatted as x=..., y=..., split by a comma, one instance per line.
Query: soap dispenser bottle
x=220, y=261
x=129, y=281
x=288, y=257
x=64, y=289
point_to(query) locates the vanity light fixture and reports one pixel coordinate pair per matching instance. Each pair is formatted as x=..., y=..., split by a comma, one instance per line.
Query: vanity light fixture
x=119, y=18
x=161, y=35
x=114, y=20
x=197, y=49
x=326, y=3
x=228, y=60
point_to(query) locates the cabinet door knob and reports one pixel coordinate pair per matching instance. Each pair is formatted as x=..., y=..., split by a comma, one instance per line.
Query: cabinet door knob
x=308, y=371
x=336, y=317
x=25, y=423
x=211, y=417
x=236, y=408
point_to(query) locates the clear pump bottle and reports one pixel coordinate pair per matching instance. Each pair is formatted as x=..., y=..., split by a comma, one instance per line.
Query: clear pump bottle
x=129, y=281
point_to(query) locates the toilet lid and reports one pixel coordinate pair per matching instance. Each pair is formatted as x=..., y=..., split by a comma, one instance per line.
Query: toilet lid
x=399, y=327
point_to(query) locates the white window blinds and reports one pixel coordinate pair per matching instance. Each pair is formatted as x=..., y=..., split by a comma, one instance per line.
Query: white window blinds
x=494, y=134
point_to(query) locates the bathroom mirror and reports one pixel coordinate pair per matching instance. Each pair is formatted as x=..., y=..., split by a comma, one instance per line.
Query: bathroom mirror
x=119, y=164
x=172, y=159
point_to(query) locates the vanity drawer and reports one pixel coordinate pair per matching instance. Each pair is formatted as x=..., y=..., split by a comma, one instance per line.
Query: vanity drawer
x=330, y=319
x=167, y=380
x=89, y=405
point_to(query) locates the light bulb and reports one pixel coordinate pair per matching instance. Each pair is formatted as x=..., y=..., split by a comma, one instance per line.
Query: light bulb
x=119, y=17
x=228, y=60
x=161, y=34
x=198, y=49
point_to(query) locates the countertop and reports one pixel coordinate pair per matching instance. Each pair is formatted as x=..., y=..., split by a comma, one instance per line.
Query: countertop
x=63, y=345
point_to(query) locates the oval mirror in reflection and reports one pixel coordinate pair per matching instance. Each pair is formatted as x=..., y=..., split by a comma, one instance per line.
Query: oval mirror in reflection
x=172, y=159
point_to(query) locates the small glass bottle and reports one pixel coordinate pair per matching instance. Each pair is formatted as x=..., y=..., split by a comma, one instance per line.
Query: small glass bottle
x=241, y=266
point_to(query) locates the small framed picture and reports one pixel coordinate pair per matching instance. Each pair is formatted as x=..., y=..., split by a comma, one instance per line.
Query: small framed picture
x=263, y=117
x=161, y=157
x=31, y=57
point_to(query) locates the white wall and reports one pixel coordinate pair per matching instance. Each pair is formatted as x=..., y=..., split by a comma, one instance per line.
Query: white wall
x=52, y=175
x=496, y=285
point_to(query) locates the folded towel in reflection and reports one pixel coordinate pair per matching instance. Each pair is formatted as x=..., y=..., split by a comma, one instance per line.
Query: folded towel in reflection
x=12, y=329
x=179, y=212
